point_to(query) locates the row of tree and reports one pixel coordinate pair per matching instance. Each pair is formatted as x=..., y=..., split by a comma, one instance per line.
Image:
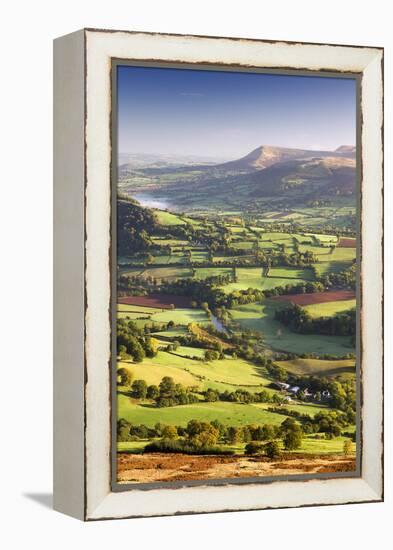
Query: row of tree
x=202, y=434
x=299, y=320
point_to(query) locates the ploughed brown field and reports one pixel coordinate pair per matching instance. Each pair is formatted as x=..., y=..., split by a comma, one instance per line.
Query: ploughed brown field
x=164, y=301
x=347, y=243
x=155, y=467
x=317, y=297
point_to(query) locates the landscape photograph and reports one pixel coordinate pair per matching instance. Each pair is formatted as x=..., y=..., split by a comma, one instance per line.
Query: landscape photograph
x=236, y=323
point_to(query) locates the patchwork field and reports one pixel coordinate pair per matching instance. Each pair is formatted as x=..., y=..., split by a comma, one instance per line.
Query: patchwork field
x=194, y=352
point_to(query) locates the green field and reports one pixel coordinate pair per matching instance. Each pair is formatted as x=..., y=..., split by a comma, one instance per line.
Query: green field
x=168, y=273
x=237, y=229
x=132, y=315
x=251, y=277
x=324, y=268
x=226, y=374
x=329, y=309
x=234, y=259
x=267, y=245
x=303, y=239
x=153, y=370
x=181, y=316
x=243, y=245
x=199, y=256
x=303, y=408
x=231, y=372
x=317, y=366
x=166, y=218
x=227, y=413
x=129, y=261
x=173, y=243
x=339, y=255
x=204, y=272
x=260, y=317
x=132, y=446
x=311, y=445
x=325, y=239
x=188, y=351
x=278, y=236
x=174, y=258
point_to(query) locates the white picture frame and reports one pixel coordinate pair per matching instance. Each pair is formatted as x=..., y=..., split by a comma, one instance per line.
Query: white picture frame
x=82, y=247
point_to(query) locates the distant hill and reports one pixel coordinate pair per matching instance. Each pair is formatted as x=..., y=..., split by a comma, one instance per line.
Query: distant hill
x=267, y=155
x=130, y=162
x=260, y=158
x=289, y=177
x=347, y=150
x=317, y=176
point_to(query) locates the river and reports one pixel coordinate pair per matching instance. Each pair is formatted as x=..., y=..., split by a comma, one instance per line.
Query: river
x=218, y=325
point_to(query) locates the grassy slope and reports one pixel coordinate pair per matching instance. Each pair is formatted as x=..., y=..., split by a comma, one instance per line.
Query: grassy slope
x=153, y=372
x=236, y=372
x=227, y=374
x=166, y=218
x=227, y=413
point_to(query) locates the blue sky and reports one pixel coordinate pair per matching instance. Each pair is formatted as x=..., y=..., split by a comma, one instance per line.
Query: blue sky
x=227, y=114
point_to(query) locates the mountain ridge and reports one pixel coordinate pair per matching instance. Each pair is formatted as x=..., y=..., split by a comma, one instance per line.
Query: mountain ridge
x=267, y=155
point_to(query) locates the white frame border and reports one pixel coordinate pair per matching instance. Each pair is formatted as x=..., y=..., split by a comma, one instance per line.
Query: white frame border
x=100, y=48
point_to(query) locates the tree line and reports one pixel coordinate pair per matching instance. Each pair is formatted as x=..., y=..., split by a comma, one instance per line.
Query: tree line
x=299, y=320
x=205, y=436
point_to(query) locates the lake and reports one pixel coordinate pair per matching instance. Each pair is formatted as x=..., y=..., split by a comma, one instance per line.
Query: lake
x=150, y=201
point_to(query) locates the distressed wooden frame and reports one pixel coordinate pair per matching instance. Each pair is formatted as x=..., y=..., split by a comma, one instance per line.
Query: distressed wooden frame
x=82, y=241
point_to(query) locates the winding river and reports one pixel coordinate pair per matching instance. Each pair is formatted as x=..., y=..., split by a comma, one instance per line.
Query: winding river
x=218, y=325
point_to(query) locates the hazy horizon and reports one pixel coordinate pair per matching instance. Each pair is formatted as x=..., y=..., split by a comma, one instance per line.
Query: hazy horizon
x=218, y=114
